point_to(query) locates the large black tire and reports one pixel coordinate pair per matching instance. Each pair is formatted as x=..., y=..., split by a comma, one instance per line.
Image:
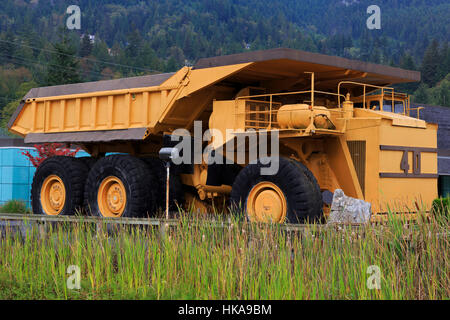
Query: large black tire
x=176, y=194
x=297, y=188
x=88, y=161
x=73, y=174
x=136, y=178
x=318, y=201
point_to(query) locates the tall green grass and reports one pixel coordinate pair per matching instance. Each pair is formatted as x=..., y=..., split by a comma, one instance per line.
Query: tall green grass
x=196, y=261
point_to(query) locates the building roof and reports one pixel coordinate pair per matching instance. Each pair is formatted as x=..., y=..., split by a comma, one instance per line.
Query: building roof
x=9, y=141
x=444, y=166
x=440, y=116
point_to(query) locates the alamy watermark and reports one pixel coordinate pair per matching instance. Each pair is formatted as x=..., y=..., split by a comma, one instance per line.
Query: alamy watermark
x=74, y=279
x=374, y=21
x=374, y=279
x=73, y=22
x=190, y=150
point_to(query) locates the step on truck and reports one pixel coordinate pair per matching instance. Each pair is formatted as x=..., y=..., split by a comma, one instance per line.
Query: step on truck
x=327, y=122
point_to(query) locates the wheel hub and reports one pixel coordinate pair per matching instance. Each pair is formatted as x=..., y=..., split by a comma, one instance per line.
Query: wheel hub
x=112, y=197
x=53, y=195
x=266, y=203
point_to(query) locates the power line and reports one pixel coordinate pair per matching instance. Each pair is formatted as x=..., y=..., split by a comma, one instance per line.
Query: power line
x=71, y=55
x=25, y=63
x=28, y=61
x=8, y=99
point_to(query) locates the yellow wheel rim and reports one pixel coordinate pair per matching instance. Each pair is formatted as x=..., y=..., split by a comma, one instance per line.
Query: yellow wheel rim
x=112, y=197
x=53, y=195
x=266, y=203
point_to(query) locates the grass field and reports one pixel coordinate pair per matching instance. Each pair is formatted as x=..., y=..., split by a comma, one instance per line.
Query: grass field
x=195, y=261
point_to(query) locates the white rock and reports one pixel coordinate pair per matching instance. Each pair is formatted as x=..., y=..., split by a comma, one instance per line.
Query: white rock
x=348, y=210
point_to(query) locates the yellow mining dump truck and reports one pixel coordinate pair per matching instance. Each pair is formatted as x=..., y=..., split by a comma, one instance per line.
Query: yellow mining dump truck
x=329, y=123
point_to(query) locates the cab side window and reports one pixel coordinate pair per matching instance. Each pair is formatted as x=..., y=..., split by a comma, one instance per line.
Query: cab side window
x=375, y=105
x=398, y=106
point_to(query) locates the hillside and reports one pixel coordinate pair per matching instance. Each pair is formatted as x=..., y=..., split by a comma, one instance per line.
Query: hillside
x=134, y=38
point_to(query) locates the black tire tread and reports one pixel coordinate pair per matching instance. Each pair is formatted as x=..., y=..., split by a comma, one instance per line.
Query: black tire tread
x=135, y=175
x=176, y=194
x=291, y=179
x=314, y=184
x=88, y=161
x=72, y=171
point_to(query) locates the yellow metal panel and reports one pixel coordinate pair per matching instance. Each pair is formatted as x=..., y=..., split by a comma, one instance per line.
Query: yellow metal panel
x=411, y=192
x=145, y=107
x=70, y=111
x=154, y=107
x=341, y=163
x=367, y=130
x=411, y=137
x=85, y=113
x=102, y=112
x=46, y=115
x=110, y=111
x=117, y=109
x=138, y=110
x=77, y=113
x=222, y=119
x=62, y=114
x=406, y=195
x=397, y=119
x=94, y=112
x=175, y=80
x=40, y=116
x=126, y=110
x=391, y=161
x=54, y=112
x=381, y=191
x=201, y=78
x=28, y=117
x=33, y=116
x=118, y=114
x=357, y=150
x=429, y=163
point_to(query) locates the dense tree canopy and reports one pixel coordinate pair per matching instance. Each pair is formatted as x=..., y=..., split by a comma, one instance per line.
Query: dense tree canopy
x=133, y=38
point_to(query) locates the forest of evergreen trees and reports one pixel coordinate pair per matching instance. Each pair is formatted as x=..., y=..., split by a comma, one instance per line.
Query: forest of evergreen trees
x=144, y=37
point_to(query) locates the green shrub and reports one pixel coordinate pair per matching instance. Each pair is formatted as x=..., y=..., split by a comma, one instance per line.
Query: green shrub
x=14, y=206
x=441, y=207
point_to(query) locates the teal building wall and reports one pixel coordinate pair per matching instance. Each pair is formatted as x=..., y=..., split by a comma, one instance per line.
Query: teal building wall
x=16, y=174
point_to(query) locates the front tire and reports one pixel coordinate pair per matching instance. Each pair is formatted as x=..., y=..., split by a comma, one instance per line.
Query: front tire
x=287, y=196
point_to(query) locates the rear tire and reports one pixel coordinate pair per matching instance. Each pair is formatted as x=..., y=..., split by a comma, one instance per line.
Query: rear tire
x=88, y=161
x=298, y=198
x=58, y=186
x=120, y=186
x=176, y=194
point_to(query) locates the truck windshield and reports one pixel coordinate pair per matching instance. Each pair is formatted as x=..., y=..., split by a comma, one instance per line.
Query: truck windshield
x=398, y=106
